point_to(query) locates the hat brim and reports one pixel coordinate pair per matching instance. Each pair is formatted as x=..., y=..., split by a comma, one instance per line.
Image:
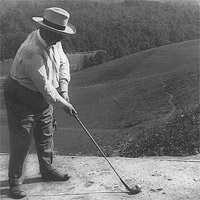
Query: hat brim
x=70, y=29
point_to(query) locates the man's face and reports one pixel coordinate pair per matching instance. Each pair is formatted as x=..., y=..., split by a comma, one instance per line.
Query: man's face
x=53, y=37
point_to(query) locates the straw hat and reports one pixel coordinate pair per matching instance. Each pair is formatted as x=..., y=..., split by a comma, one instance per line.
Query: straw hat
x=56, y=19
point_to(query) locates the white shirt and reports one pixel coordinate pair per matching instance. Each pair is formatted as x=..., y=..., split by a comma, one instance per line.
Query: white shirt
x=36, y=69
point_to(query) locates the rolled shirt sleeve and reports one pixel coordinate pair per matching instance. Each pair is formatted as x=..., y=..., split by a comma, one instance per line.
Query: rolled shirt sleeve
x=64, y=71
x=35, y=69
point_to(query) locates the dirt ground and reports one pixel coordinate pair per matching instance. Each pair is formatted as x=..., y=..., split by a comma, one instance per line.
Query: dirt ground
x=161, y=178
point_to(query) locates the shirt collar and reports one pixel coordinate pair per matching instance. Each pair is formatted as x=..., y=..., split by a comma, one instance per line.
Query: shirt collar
x=41, y=39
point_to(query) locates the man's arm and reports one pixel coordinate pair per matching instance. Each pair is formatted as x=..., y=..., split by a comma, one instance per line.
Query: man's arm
x=64, y=73
x=36, y=71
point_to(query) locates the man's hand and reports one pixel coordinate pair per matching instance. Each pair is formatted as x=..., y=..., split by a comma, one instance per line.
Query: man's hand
x=69, y=109
x=65, y=95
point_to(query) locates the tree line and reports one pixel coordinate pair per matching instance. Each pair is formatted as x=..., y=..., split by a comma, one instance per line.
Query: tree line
x=116, y=29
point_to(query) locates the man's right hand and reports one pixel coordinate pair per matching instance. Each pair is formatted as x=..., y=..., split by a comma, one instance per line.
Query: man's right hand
x=69, y=109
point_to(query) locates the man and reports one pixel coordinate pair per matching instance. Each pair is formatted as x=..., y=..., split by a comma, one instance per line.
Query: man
x=38, y=80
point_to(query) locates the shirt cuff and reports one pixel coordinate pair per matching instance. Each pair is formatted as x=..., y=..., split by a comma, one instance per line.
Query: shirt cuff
x=63, y=86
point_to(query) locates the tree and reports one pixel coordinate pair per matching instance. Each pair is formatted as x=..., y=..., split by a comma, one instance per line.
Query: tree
x=118, y=28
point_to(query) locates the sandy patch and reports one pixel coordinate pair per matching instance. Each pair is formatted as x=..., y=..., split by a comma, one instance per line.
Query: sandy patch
x=161, y=178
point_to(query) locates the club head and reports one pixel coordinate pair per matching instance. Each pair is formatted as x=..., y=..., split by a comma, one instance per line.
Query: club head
x=135, y=190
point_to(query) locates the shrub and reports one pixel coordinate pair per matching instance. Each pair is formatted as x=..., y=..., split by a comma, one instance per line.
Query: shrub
x=178, y=136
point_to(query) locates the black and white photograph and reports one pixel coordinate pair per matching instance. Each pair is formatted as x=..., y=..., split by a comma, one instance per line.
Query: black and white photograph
x=100, y=99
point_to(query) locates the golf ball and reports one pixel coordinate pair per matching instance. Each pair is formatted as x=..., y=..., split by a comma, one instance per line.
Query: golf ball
x=138, y=187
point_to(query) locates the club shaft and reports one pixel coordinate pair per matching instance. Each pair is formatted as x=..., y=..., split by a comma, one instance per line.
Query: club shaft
x=100, y=149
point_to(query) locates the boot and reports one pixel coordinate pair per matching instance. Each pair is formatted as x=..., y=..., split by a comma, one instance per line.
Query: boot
x=54, y=175
x=16, y=192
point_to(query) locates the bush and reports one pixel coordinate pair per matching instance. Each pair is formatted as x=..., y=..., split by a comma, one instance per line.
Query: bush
x=179, y=136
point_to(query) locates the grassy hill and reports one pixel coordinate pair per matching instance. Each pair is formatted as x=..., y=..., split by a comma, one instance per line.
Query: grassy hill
x=195, y=2
x=140, y=95
x=137, y=87
x=146, y=103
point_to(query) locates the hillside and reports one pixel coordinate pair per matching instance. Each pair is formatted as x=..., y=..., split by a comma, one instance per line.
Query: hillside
x=126, y=86
x=194, y=2
x=139, y=93
x=146, y=103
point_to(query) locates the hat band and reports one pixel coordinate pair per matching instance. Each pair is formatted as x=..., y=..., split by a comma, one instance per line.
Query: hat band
x=52, y=25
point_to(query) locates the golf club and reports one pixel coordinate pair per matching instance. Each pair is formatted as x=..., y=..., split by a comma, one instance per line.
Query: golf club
x=137, y=188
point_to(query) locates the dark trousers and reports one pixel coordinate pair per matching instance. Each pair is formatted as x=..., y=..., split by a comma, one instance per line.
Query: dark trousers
x=29, y=115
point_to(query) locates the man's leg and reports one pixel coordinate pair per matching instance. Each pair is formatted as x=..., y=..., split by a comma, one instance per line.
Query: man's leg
x=20, y=123
x=43, y=135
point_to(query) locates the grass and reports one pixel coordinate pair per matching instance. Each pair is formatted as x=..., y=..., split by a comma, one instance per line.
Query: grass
x=178, y=136
x=142, y=98
x=141, y=93
x=136, y=91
